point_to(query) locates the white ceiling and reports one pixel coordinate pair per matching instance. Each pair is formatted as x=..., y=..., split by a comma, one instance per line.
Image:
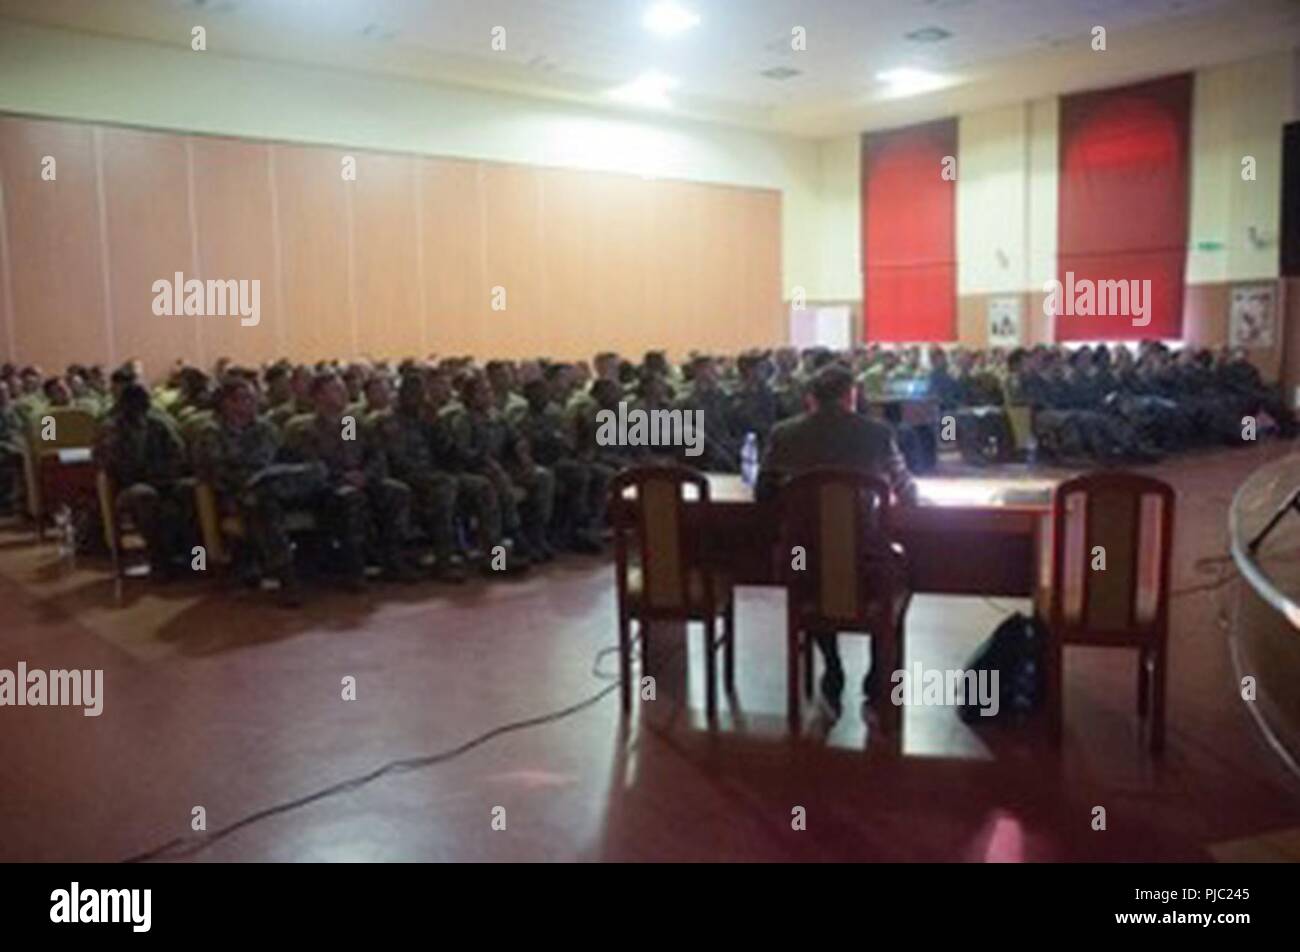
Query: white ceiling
x=998, y=51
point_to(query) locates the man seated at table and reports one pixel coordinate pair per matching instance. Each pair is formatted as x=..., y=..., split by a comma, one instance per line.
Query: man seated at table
x=832, y=435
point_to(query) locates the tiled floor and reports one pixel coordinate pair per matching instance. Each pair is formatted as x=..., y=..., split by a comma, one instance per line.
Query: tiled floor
x=216, y=699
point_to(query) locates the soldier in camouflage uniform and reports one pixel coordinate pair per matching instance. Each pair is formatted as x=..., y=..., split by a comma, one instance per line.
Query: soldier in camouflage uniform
x=144, y=457
x=501, y=377
x=299, y=402
x=787, y=388
x=405, y=435
x=580, y=485
x=235, y=453
x=721, y=445
x=13, y=446
x=29, y=403
x=476, y=495
x=358, y=491
x=753, y=405
x=487, y=445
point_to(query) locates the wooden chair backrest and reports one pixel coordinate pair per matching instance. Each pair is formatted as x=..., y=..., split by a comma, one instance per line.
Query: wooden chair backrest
x=72, y=428
x=839, y=520
x=1112, y=542
x=648, y=507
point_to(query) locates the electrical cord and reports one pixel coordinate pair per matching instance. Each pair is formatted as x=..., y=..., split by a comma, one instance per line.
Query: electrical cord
x=184, y=846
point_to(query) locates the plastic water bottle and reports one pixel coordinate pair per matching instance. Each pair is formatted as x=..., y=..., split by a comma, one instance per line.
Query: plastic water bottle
x=749, y=460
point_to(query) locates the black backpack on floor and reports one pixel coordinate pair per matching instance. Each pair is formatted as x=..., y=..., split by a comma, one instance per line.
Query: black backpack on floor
x=1015, y=651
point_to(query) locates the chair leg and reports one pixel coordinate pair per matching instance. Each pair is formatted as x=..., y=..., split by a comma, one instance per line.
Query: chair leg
x=729, y=645
x=1158, y=700
x=809, y=663
x=710, y=667
x=794, y=713
x=1144, y=683
x=625, y=662
x=891, y=714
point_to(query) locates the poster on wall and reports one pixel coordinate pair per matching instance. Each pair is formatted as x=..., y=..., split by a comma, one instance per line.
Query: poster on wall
x=1251, y=317
x=1004, y=322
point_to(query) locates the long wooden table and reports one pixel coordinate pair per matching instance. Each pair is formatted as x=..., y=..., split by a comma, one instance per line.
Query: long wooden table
x=967, y=536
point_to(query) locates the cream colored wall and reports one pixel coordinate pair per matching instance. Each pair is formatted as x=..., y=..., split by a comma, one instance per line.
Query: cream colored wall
x=992, y=200
x=1237, y=111
x=1007, y=186
x=61, y=74
x=840, y=216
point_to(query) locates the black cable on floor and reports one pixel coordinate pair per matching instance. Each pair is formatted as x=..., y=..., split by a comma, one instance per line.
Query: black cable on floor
x=184, y=846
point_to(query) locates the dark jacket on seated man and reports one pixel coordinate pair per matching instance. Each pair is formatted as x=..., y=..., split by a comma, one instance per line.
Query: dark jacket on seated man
x=833, y=436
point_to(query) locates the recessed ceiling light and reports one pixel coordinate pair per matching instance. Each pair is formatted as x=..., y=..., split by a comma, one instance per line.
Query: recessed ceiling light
x=780, y=72
x=907, y=81
x=668, y=18
x=649, y=89
x=928, y=34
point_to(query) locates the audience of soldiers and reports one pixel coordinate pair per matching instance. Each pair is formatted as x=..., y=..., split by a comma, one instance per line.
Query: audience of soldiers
x=499, y=467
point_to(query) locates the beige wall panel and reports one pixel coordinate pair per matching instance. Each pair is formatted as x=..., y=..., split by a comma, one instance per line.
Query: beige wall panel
x=146, y=191
x=312, y=205
x=512, y=204
x=572, y=261
x=972, y=320
x=236, y=234
x=453, y=255
x=386, y=243
x=620, y=262
x=670, y=280
x=54, y=244
x=400, y=262
x=729, y=292
x=762, y=315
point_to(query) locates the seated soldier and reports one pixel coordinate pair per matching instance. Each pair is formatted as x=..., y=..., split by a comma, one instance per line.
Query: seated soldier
x=501, y=378
x=721, y=446
x=476, y=495
x=144, y=457
x=580, y=485
x=235, y=453
x=605, y=395
x=358, y=494
x=29, y=401
x=57, y=394
x=299, y=403
x=487, y=445
x=13, y=447
x=786, y=386
x=752, y=405
x=404, y=436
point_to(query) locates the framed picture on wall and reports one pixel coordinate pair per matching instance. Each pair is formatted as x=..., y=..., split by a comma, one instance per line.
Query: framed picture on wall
x=1251, y=316
x=1004, y=322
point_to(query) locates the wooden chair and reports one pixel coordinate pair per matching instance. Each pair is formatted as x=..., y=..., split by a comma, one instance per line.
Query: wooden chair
x=72, y=429
x=1127, y=520
x=217, y=528
x=660, y=575
x=853, y=579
